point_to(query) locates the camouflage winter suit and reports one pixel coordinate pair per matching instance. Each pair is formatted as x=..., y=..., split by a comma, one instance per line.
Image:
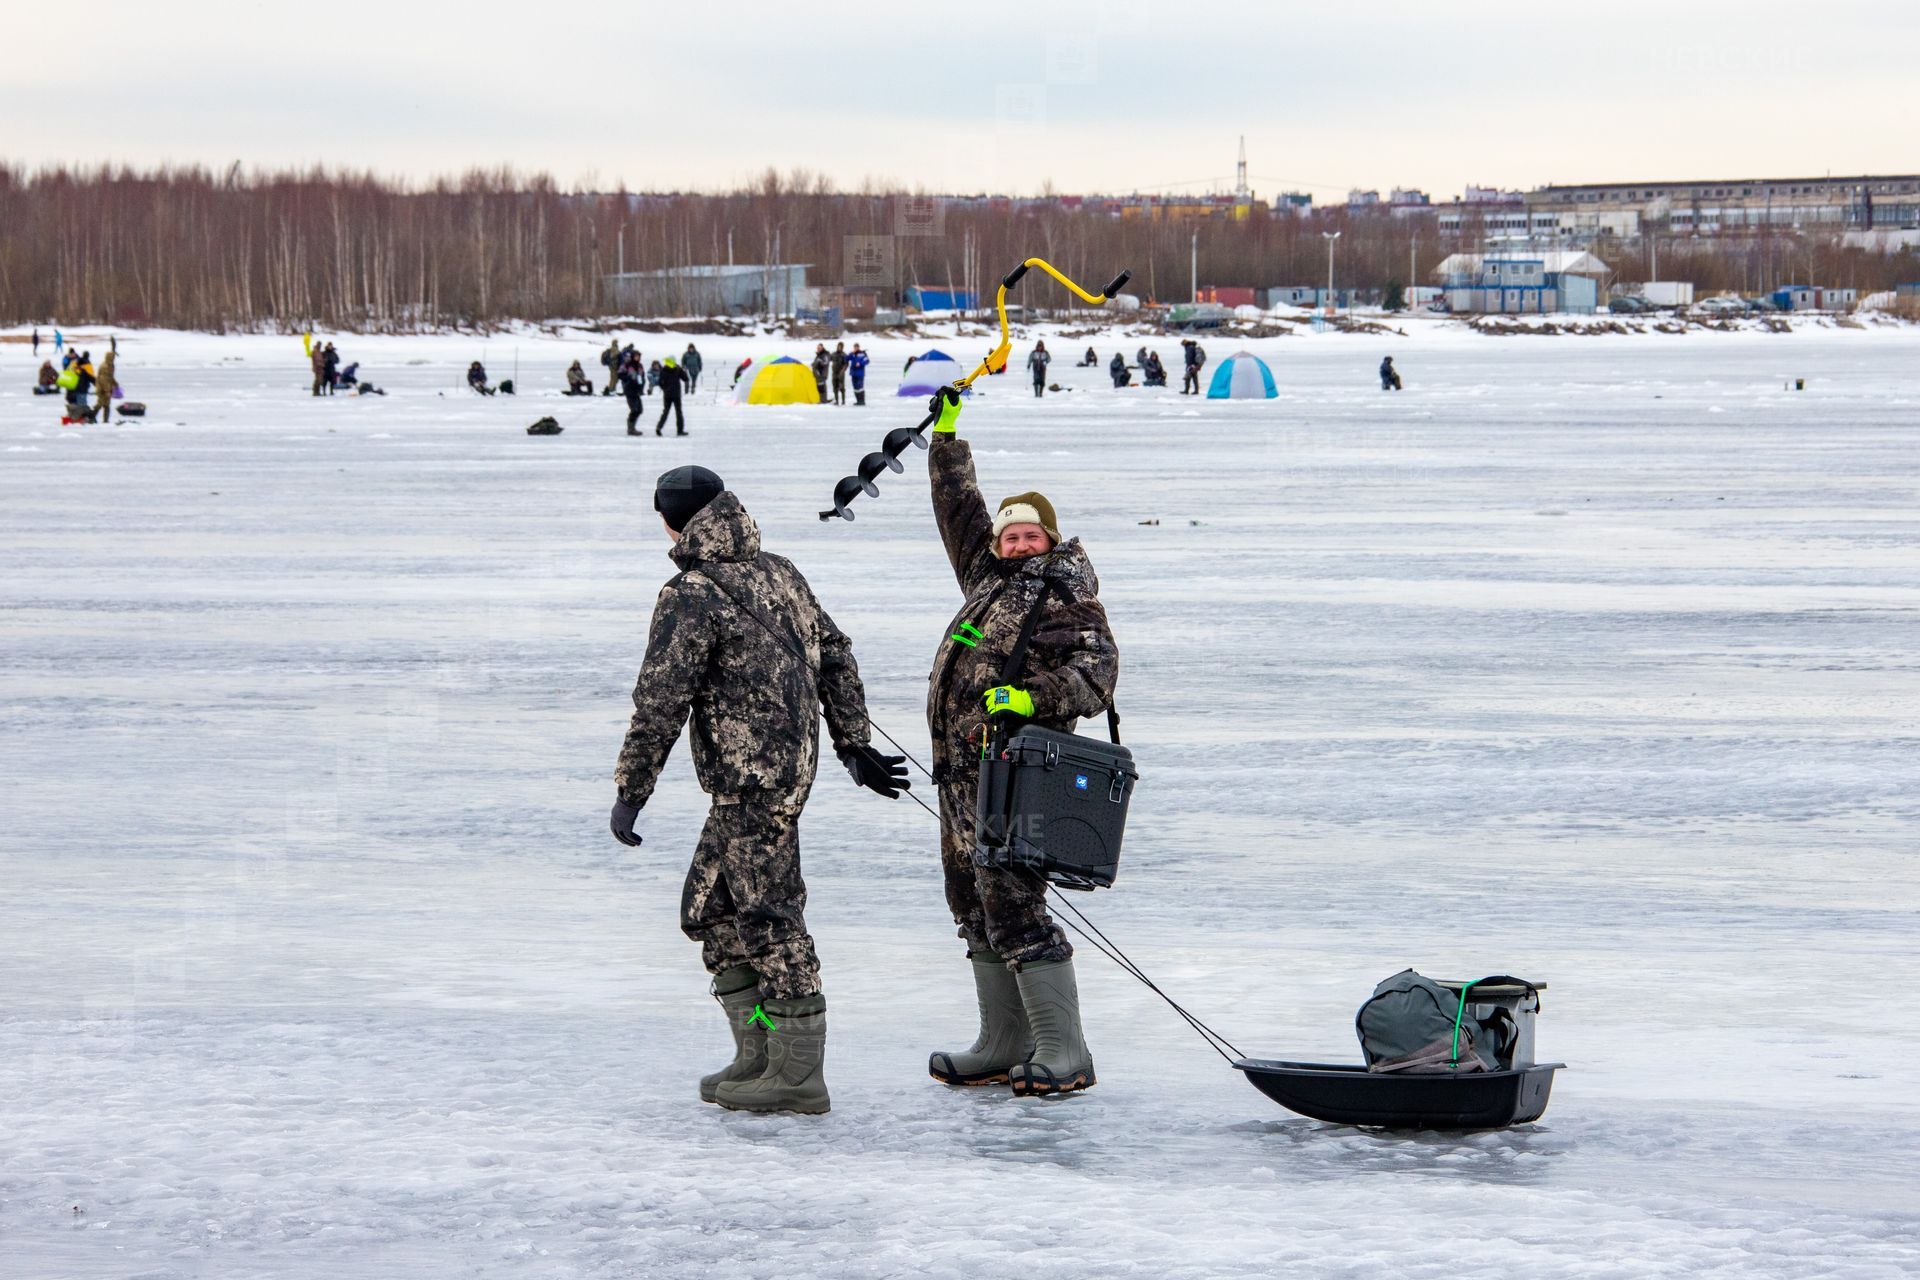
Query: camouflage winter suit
x=1070, y=669
x=755, y=704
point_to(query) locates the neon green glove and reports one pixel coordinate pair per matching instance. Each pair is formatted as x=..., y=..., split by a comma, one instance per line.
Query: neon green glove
x=1005, y=698
x=946, y=403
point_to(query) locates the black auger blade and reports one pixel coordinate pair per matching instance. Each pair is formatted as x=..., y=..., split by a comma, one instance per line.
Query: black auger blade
x=885, y=458
x=844, y=493
x=900, y=437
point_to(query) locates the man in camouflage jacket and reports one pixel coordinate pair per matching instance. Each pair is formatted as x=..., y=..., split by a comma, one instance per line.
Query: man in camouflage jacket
x=740, y=643
x=1009, y=562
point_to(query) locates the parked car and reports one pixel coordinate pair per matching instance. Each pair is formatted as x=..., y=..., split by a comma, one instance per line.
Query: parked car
x=1630, y=305
x=1724, y=305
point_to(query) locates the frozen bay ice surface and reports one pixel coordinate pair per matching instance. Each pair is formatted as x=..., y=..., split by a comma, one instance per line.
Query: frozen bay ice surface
x=1587, y=659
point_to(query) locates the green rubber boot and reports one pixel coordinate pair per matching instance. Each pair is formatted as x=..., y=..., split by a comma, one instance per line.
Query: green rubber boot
x=795, y=1079
x=1060, y=1061
x=738, y=991
x=1004, y=1038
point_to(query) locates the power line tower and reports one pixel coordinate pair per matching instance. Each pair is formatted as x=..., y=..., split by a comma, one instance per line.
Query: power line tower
x=1241, y=193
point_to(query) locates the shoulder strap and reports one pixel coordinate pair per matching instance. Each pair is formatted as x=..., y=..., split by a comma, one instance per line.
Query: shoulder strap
x=795, y=647
x=1017, y=656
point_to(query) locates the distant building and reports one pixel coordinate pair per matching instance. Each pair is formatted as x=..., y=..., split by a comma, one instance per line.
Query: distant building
x=854, y=304
x=920, y=299
x=1522, y=282
x=1813, y=297
x=1346, y=299
x=1178, y=208
x=1228, y=295
x=1358, y=199
x=1298, y=204
x=1289, y=295
x=1517, y=223
x=1408, y=196
x=1720, y=206
x=716, y=290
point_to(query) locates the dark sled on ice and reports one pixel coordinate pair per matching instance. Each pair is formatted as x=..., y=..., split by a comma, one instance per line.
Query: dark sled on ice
x=1441, y=1100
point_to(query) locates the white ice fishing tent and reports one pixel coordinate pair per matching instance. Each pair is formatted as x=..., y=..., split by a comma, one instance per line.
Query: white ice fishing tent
x=1242, y=376
x=931, y=371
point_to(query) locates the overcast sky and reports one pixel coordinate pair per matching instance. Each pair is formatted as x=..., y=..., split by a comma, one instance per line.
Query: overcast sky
x=1113, y=96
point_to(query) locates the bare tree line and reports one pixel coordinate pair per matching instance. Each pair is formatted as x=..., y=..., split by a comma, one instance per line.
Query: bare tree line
x=190, y=248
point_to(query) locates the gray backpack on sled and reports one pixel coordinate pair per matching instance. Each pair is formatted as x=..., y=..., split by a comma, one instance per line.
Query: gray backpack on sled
x=1413, y=1024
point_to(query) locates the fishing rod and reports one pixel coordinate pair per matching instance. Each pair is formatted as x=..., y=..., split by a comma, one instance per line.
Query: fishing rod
x=887, y=456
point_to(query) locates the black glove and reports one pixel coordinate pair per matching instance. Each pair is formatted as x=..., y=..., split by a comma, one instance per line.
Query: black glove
x=622, y=822
x=884, y=774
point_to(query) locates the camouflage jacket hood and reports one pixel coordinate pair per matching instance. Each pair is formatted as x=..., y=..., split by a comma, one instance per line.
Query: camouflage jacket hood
x=721, y=532
x=1072, y=663
x=740, y=645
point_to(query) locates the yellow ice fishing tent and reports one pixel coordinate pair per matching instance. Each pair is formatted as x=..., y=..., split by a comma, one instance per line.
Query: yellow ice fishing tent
x=781, y=381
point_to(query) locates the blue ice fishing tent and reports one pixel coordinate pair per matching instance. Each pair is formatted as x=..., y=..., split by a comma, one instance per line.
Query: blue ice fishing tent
x=1242, y=376
x=931, y=371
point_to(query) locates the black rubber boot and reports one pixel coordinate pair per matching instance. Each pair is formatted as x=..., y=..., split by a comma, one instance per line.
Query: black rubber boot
x=738, y=991
x=1060, y=1061
x=795, y=1078
x=1004, y=1039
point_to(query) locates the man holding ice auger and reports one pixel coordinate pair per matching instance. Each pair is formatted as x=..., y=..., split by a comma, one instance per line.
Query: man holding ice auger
x=1011, y=564
x=739, y=642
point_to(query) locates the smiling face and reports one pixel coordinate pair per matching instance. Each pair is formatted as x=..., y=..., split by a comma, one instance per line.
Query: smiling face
x=1019, y=541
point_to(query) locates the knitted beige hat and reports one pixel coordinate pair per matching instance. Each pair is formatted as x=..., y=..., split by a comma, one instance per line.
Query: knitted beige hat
x=1025, y=508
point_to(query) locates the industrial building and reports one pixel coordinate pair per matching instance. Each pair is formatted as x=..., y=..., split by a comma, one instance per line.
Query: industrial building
x=1860, y=207
x=712, y=290
x=1522, y=282
x=1293, y=295
x=1813, y=297
x=1861, y=203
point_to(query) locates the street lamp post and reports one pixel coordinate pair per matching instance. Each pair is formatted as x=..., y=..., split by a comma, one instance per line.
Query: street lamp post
x=1329, y=237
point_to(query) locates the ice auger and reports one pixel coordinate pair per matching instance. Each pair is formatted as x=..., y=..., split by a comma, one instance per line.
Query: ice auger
x=887, y=456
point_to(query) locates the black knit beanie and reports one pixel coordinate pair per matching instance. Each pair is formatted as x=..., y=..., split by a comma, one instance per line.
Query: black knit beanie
x=683, y=493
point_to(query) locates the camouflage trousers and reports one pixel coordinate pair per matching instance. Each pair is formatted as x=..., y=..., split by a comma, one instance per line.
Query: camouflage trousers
x=998, y=909
x=744, y=900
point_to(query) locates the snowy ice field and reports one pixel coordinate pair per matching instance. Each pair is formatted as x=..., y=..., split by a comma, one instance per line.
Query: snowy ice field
x=1591, y=660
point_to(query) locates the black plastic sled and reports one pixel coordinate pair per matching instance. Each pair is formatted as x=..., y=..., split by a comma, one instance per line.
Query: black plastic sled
x=1442, y=1100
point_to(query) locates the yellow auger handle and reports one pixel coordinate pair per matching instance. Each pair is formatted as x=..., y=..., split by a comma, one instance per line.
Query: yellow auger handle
x=997, y=358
